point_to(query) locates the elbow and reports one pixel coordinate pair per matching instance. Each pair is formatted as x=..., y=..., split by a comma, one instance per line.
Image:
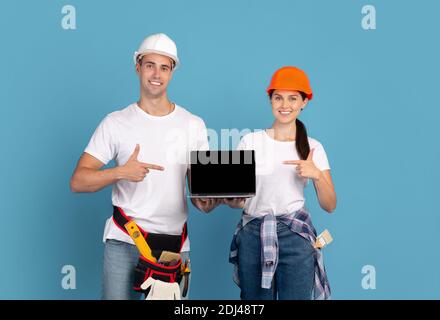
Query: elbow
x=74, y=187
x=80, y=182
x=330, y=207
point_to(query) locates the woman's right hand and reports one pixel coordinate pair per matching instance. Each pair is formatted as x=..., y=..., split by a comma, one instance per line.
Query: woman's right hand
x=236, y=203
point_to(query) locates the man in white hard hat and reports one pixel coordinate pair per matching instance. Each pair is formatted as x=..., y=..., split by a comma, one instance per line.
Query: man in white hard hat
x=149, y=141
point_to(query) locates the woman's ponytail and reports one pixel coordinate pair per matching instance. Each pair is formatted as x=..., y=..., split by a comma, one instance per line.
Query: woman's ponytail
x=301, y=140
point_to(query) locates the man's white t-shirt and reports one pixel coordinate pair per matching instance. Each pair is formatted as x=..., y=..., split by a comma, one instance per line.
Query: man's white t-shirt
x=158, y=204
x=279, y=189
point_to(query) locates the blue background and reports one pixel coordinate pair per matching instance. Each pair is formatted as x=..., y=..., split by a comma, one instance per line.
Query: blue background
x=375, y=111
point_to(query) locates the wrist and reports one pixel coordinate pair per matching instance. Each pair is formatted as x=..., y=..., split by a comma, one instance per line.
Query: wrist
x=318, y=176
x=119, y=173
x=239, y=205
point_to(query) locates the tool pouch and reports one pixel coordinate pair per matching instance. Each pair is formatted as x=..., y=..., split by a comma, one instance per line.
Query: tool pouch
x=145, y=268
x=167, y=272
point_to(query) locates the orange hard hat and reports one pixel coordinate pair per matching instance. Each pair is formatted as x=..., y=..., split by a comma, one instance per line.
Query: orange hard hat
x=290, y=78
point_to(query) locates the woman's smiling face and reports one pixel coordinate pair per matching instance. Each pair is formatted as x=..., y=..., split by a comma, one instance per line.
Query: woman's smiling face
x=286, y=105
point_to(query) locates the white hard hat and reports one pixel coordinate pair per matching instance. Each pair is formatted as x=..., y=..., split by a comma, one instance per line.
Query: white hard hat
x=158, y=43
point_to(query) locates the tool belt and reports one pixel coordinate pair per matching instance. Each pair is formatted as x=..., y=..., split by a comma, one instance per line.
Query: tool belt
x=146, y=267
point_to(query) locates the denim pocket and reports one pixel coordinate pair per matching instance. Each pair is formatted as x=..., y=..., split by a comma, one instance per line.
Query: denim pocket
x=306, y=243
x=252, y=228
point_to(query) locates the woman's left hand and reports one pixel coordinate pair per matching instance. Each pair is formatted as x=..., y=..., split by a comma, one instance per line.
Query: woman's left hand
x=237, y=203
x=306, y=168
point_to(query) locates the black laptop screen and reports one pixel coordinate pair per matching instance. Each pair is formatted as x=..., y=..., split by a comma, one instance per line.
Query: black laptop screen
x=222, y=172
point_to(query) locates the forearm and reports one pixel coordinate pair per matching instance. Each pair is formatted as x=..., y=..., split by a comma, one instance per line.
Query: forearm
x=92, y=180
x=326, y=193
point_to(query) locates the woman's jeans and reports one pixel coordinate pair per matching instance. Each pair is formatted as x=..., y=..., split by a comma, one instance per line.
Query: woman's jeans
x=120, y=259
x=294, y=275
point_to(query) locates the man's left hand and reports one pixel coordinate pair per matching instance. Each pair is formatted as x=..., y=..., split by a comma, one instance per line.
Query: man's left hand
x=205, y=204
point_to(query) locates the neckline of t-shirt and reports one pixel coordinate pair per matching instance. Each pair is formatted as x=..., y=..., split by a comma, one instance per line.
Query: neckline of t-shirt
x=149, y=116
x=277, y=141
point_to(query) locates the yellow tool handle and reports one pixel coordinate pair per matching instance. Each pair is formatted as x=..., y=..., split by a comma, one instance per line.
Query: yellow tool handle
x=139, y=240
x=185, y=267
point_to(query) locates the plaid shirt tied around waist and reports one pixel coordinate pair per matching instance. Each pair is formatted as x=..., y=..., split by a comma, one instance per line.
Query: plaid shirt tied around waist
x=298, y=222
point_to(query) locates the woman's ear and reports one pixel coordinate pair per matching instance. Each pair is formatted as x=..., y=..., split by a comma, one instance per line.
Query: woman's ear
x=304, y=103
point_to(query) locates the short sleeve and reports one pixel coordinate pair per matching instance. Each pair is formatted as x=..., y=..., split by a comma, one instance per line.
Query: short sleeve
x=243, y=145
x=320, y=157
x=102, y=143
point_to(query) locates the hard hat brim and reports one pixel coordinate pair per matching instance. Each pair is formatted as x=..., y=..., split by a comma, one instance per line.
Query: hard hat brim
x=145, y=52
x=308, y=93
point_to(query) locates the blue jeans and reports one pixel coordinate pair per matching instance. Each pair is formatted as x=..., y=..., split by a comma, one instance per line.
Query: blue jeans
x=120, y=259
x=295, y=273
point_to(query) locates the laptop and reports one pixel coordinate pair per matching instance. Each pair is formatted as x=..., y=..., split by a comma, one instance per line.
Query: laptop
x=222, y=174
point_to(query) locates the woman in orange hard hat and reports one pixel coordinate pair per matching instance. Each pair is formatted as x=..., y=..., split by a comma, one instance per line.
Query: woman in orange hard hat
x=274, y=249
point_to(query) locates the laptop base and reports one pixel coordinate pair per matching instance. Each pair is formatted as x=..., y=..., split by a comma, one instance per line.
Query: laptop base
x=247, y=195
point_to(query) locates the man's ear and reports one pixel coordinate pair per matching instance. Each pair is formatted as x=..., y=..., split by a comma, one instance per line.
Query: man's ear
x=138, y=68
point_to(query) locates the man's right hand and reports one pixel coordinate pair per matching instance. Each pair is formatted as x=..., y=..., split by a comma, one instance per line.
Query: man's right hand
x=136, y=171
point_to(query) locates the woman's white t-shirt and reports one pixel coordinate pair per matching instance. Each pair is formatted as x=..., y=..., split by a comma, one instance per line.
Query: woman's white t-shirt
x=158, y=203
x=279, y=189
